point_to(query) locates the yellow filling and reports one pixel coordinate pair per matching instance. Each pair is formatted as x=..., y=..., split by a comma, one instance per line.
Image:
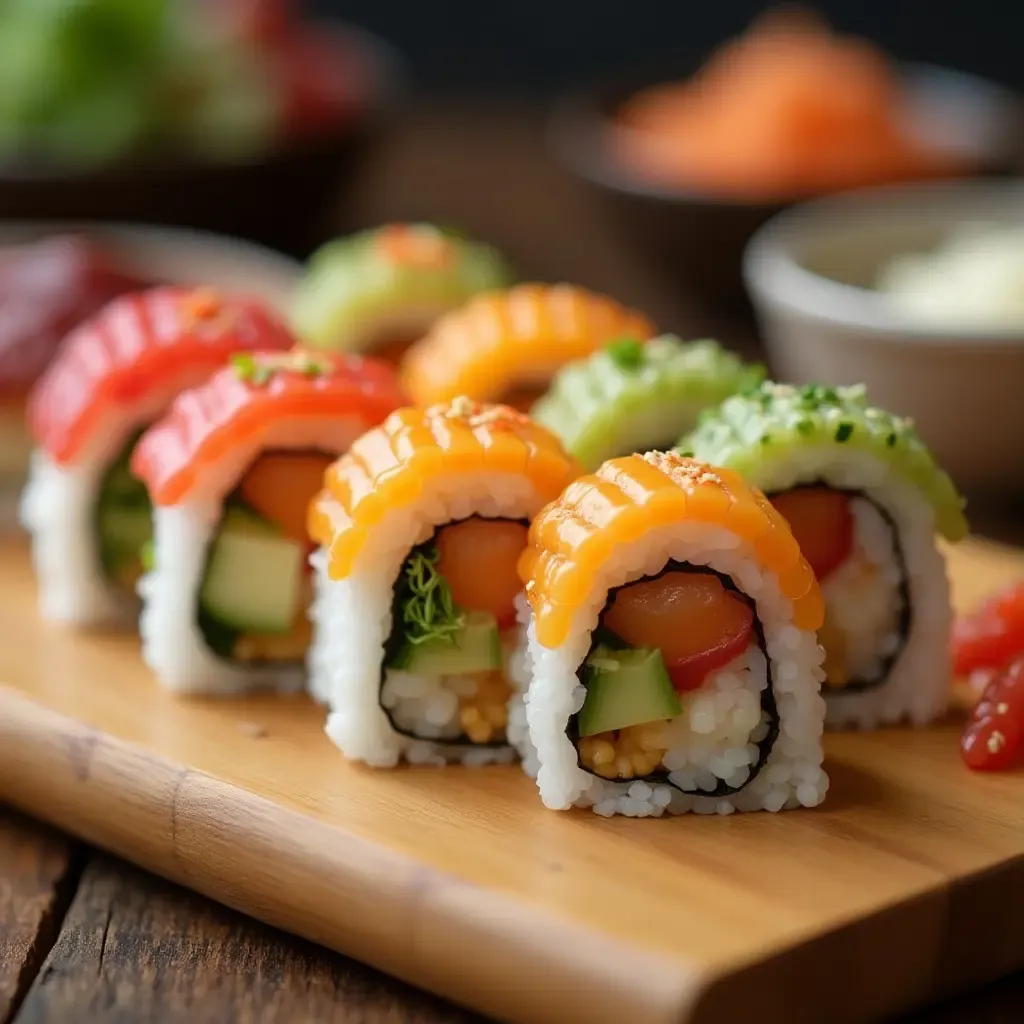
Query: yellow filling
x=484, y=715
x=625, y=754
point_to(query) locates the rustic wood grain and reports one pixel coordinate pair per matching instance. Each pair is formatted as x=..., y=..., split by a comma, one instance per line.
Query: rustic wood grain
x=462, y=883
x=38, y=872
x=134, y=949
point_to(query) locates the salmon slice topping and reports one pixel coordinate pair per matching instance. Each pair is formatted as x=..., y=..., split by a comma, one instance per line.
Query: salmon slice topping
x=502, y=340
x=388, y=467
x=136, y=347
x=573, y=537
x=237, y=406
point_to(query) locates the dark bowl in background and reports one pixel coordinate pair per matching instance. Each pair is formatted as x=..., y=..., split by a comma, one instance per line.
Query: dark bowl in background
x=283, y=200
x=698, y=240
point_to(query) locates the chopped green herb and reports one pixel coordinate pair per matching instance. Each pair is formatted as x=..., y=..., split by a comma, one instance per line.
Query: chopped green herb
x=244, y=364
x=890, y=441
x=766, y=439
x=428, y=613
x=843, y=432
x=805, y=427
x=259, y=370
x=626, y=353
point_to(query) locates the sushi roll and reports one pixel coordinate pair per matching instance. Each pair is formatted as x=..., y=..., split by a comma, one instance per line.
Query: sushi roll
x=114, y=375
x=506, y=346
x=231, y=470
x=47, y=287
x=629, y=397
x=865, y=500
x=672, y=659
x=420, y=528
x=378, y=291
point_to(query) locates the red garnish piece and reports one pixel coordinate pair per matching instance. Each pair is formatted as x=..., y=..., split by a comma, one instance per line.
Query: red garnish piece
x=696, y=623
x=822, y=524
x=992, y=635
x=417, y=245
x=478, y=559
x=993, y=739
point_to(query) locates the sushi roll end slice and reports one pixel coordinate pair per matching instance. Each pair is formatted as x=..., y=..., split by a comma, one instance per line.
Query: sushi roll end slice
x=88, y=517
x=632, y=397
x=505, y=346
x=672, y=659
x=421, y=526
x=865, y=499
x=231, y=470
x=378, y=291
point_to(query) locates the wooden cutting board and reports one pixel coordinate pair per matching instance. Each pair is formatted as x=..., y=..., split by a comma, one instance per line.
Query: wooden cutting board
x=907, y=884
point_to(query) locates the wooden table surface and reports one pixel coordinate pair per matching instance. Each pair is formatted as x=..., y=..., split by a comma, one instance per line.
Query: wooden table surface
x=88, y=939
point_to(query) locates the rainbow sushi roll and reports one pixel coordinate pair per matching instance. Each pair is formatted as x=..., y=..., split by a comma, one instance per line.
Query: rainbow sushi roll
x=630, y=397
x=113, y=376
x=507, y=346
x=865, y=500
x=231, y=470
x=420, y=527
x=378, y=291
x=671, y=661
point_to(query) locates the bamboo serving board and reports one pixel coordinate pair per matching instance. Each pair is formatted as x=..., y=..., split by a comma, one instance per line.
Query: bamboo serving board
x=907, y=884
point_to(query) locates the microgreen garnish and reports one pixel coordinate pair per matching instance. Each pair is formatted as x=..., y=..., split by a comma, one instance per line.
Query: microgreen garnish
x=258, y=369
x=428, y=613
x=626, y=353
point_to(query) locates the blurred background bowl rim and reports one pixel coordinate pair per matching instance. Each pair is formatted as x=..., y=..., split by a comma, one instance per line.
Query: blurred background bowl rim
x=774, y=276
x=128, y=233
x=577, y=121
x=388, y=82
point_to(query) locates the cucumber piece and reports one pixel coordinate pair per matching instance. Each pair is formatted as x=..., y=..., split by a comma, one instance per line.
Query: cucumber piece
x=626, y=688
x=475, y=648
x=253, y=576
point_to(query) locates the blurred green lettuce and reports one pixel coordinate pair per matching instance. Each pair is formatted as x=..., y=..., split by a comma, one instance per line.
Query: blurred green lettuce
x=91, y=82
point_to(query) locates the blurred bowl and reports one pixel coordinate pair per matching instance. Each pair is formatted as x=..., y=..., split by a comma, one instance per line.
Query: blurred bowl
x=809, y=272
x=698, y=238
x=167, y=255
x=282, y=199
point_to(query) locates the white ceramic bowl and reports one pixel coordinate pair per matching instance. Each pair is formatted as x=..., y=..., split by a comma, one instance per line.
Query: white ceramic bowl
x=809, y=273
